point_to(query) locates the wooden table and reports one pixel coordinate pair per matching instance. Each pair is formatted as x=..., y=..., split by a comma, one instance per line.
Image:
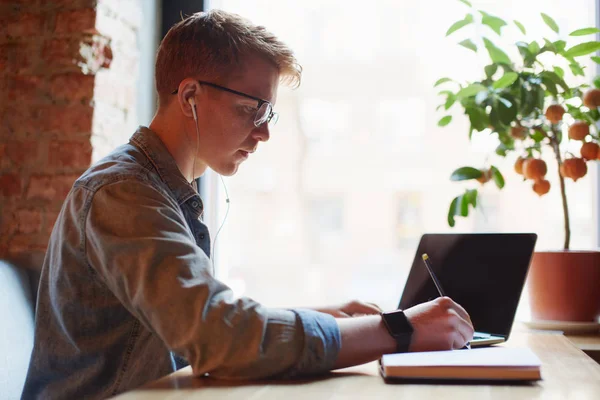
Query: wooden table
x=566, y=371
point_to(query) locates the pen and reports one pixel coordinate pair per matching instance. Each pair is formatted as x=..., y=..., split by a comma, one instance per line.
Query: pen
x=437, y=283
x=432, y=274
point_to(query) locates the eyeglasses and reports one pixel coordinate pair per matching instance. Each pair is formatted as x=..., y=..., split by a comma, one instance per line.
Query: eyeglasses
x=264, y=108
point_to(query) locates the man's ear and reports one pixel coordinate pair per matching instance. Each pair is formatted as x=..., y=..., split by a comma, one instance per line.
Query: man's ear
x=187, y=95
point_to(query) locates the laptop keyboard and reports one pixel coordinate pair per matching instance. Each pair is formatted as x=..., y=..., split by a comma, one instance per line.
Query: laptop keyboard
x=480, y=336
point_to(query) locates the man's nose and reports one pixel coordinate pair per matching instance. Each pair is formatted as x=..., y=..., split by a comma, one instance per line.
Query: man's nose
x=261, y=132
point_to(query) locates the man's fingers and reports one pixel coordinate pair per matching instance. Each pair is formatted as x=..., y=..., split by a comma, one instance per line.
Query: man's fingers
x=458, y=309
x=466, y=333
x=358, y=307
x=375, y=307
x=462, y=312
x=459, y=341
x=465, y=330
x=463, y=327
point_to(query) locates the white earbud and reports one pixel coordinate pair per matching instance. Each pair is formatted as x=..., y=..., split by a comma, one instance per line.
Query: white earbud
x=193, y=105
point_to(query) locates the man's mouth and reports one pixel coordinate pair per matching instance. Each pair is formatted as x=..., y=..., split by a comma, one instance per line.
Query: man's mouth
x=245, y=153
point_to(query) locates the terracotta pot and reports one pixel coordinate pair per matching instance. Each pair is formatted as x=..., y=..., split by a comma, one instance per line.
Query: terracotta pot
x=565, y=286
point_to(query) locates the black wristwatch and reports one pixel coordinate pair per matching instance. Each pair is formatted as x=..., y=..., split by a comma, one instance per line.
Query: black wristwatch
x=399, y=327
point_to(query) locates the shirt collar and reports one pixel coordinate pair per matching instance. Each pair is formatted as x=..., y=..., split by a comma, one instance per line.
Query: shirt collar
x=165, y=165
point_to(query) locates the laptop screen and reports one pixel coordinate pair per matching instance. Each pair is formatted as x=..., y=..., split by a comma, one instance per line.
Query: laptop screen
x=484, y=273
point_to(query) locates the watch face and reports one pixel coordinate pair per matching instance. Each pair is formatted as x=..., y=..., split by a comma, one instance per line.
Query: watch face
x=397, y=323
x=400, y=329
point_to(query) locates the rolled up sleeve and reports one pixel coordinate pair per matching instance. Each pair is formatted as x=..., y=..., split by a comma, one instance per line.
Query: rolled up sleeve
x=137, y=241
x=322, y=342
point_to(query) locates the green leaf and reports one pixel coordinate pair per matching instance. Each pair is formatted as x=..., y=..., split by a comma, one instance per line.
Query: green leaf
x=506, y=103
x=560, y=72
x=534, y=48
x=584, y=31
x=507, y=111
x=524, y=49
x=582, y=49
x=560, y=45
x=550, y=86
x=451, y=212
x=501, y=150
x=442, y=80
x=555, y=78
x=490, y=70
x=520, y=26
x=465, y=173
x=537, y=136
x=550, y=22
x=539, y=98
x=528, y=56
x=497, y=55
x=493, y=22
x=549, y=45
x=471, y=195
x=478, y=118
x=464, y=206
x=459, y=24
x=466, y=2
x=468, y=43
x=595, y=59
x=470, y=90
x=526, y=104
x=481, y=97
x=597, y=82
x=450, y=101
x=577, y=70
x=445, y=120
x=507, y=79
x=497, y=176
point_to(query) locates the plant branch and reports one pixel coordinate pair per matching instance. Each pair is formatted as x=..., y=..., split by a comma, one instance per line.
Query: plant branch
x=556, y=147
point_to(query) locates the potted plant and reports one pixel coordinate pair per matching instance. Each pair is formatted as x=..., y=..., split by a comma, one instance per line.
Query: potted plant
x=528, y=105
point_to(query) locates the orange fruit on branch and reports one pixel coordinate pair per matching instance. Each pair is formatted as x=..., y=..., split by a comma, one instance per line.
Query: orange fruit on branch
x=579, y=130
x=590, y=151
x=591, y=98
x=541, y=187
x=519, y=165
x=518, y=132
x=534, y=169
x=554, y=113
x=575, y=168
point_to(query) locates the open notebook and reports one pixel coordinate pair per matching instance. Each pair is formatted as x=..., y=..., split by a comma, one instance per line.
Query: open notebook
x=494, y=363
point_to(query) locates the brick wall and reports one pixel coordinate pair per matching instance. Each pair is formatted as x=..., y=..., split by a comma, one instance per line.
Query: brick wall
x=67, y=85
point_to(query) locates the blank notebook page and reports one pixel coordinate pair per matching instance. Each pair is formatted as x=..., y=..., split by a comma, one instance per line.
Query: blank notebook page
x=488, y=357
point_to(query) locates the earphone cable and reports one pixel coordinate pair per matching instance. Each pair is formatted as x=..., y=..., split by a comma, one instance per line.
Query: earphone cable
x=220, y=227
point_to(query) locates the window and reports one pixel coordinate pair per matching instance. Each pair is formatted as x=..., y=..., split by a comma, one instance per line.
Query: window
x=332, y=207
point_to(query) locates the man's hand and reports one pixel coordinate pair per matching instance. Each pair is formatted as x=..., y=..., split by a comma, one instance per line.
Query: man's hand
x=353, y=308
x=440, y=324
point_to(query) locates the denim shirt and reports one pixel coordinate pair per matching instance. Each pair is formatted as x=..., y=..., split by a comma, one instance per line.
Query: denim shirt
x=126, y=292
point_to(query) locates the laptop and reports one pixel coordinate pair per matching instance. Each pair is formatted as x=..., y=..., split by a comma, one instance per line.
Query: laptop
x=483, y=272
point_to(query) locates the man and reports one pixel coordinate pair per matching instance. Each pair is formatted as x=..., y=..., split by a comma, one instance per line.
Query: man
x=127, y=295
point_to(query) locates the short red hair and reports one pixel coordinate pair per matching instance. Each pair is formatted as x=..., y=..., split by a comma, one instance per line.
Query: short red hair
x=211, y=45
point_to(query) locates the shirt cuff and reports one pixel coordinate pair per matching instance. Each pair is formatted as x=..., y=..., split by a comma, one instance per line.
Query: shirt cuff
x=322, y=342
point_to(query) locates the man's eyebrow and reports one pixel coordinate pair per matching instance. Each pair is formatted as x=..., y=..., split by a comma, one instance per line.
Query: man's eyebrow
x=248, y=101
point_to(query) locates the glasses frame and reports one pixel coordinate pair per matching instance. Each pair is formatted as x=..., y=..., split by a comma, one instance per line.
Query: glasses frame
x=273, y=116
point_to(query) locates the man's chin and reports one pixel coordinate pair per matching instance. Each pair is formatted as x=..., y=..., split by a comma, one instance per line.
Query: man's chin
x=228, y=169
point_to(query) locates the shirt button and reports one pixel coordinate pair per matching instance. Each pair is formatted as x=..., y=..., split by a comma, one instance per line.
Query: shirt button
x=195, y=204
x=202, y=236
